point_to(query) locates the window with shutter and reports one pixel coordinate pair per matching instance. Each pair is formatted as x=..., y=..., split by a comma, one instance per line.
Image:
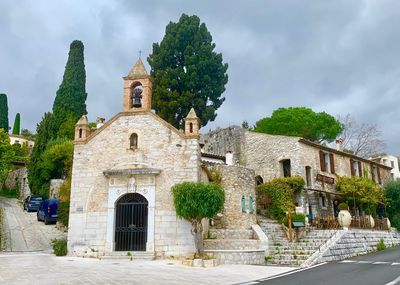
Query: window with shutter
x=322, y=160
x=359, y=169
x=352, y=167
x=332, y=163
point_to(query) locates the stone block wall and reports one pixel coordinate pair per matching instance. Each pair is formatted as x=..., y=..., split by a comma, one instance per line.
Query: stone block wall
x=55, y=185
x=237, y=182
x=18, y=179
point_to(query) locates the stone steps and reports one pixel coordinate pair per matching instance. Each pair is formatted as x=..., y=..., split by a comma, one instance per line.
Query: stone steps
x=128, y=255
x=230, y=234
x=231, y=244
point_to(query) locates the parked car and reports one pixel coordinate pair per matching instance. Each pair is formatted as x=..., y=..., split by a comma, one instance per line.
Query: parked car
x=32, y=203
x=47, y=211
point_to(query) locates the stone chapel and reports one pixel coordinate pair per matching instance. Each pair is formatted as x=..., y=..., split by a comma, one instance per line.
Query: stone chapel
x=122, y=175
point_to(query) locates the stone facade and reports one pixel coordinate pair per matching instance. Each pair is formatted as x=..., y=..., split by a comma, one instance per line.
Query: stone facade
x=107, y=166
x=55, y=185
x=239, y=186
x=270, y=155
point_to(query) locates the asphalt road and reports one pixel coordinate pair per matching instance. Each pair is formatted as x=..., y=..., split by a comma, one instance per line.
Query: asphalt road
x=381, y=268
x=22, y=230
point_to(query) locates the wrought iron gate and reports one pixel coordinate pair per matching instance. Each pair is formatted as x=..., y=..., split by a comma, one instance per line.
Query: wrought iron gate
x=131, y=223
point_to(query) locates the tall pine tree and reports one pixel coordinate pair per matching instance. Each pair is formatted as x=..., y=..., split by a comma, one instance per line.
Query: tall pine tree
x=187, y=72
x=3, y=112
x=17, y=124
x=71, y=95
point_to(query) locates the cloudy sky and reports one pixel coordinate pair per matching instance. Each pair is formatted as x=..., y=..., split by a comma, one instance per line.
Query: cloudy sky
x=335, y=56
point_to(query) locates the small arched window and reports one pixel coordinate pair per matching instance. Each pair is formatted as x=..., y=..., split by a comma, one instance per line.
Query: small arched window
x=80, y=133
x=259, y=180
x=191, y=127
x=133, y=141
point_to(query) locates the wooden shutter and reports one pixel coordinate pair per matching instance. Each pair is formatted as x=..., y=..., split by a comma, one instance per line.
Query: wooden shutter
x=322, y=160
x=351, y=166
x=359, y=168
x=379, y=174
x=332, y=163
x=372, y=173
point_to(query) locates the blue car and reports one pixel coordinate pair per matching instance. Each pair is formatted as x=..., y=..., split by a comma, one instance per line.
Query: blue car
x=48, y=211
x=32, y=203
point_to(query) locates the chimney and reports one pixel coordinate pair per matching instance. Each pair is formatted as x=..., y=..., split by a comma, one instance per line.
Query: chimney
x=99, y=122
x=229, y=158
x=339, y=144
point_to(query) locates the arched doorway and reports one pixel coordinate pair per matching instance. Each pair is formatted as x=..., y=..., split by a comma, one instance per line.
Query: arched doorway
x=131, y=211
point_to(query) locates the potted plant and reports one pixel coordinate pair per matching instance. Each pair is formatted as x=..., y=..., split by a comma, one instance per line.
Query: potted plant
x=344, y=215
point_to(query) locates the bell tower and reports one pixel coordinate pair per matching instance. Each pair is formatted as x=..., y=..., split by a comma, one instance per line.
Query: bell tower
x=137, y=89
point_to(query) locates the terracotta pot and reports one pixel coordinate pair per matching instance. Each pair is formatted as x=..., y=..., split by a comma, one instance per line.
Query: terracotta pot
x=344, y=218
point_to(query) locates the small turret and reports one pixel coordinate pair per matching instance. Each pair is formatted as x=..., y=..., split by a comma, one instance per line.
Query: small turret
x=192, y=125
x=82, y=130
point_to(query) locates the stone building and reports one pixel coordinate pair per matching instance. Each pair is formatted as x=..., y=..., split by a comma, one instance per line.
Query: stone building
x=274, y=156
x=122, y=175
x=389, y=160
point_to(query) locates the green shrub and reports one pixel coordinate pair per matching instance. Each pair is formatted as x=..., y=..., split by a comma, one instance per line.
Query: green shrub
x=343, y=206
x=381, y=245
x=9, y=193
x=59, y=247
x=280, y=192
x=63, y=213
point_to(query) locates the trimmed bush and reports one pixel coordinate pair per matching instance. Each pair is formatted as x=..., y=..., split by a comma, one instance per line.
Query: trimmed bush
x=59, y=247
x=296, y=217
x=343, y=206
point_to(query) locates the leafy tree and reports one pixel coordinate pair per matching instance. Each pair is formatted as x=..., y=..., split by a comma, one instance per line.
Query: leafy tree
x=392, y=194
x=301, y=122
x=3, y=112
x=187, y=72
x=28, y=134
x=57, y=159
x=280, y=192
x=17, y=124
x=71, y=95
x=45, y=133
x=361, y=191
x=195, y=201
x=6, y=155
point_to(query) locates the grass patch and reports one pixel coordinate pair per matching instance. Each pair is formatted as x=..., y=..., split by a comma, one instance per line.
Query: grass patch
x=8, y=193
x=59, y=247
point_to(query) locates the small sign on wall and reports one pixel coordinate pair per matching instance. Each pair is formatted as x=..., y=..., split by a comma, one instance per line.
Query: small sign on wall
x=299, y=210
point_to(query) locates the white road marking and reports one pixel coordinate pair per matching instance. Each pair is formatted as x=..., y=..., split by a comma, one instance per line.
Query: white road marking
x=395, y=281
x=381, y=262
x=395, y=263
x=365, y=261
x=250, y=283
x=348, y=261
x=292, y=272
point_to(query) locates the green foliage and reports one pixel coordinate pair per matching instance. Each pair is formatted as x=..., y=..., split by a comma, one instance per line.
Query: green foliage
x=17, y=124
x=45, y=133
x=187, y=72
x=3, y=112
x=59, y=247
x=343, y=206
x=381, y=245
x=27, y=134
x=280, y=192
x=63, y=213
x=361, y=191
x=197, y=200
x=67, y=128
x=69, y=103
x=57, y=159
x=6, y=155
x=9, y=193
x=300, y=122
x=392, y=194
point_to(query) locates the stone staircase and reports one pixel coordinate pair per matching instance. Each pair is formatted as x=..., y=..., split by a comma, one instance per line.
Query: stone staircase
x=128, y=255
x=283, y=252
x=232, y=246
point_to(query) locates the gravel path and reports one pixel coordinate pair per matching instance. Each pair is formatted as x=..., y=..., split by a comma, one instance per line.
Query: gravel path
x=23, y=232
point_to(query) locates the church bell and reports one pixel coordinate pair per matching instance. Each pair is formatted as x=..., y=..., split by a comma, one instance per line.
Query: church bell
x=137, y=98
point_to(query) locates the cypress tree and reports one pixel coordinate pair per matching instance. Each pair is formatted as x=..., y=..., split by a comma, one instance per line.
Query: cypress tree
x=17, y=124
x=3, y=112
x=71, y=95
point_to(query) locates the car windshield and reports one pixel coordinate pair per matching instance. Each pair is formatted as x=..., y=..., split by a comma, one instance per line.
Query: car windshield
x=36, y=198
